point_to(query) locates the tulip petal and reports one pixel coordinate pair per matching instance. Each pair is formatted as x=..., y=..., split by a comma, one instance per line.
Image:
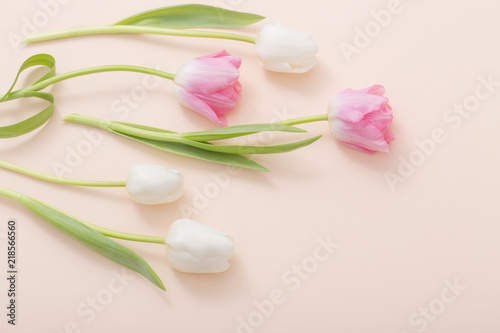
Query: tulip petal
x=193, y=247
x=376, y=89
x=209, y=85
x=154, y=184
x=352, y=145
x=388, y=136
x=223, y=101
x=351, y=105
x=361, y=118
x=283, y=50
x=235, y=61
x=196, y=104
x=361, y=135
x=281, y=67
x=207, y=75
x=381, y=119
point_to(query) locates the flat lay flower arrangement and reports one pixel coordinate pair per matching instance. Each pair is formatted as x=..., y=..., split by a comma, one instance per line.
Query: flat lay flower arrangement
x=208, y=85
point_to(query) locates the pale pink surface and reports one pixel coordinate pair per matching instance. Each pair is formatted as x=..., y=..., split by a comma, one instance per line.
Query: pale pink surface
x=361, y=118
x=398, y=245
x=209, y=85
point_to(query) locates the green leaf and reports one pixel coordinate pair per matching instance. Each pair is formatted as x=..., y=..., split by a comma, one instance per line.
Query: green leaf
x=175, y=143
x=32, y=123
x=227, y=149
x=43, y=116
x=237, y=149
x=238, y=130
x=219, y=133
x=37, y=60
x=191, y=16
x=202, y=154
x=142, y=127
x=91, y=238
x=137, y=132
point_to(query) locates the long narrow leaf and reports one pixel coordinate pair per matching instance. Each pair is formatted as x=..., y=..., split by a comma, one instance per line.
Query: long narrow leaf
x=218, y=133
x=191, y=16
x=143, y=127
x=91, y=238
x=202, y=154
x=239, y=130
x=226, y=149
x=238, y=149
x=175, y=143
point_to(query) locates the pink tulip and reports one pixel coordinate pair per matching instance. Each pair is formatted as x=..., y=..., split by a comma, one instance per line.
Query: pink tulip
x=209, y=85
x=361, y=118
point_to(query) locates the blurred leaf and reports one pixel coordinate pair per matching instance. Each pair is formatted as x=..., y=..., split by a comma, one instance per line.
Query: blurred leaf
x=91, y=238
x=191, y=16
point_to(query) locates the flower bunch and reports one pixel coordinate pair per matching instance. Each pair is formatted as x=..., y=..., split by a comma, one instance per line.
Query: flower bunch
x=208, y=85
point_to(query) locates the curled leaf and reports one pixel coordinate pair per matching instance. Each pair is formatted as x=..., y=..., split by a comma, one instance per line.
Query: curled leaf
x=41, y=117
x=32, y=123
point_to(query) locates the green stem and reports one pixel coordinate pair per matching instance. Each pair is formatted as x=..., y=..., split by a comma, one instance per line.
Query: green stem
x=86, y=71
x=303, y=120
x=89, y=121
x=105, y=231
x=98, y=69
x=125, y=235
x=58, y=180
x=121, y=29
x=10, y=194
x=115, y=126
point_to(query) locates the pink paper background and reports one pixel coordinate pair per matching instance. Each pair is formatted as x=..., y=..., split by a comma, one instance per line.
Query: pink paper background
x=420, y=256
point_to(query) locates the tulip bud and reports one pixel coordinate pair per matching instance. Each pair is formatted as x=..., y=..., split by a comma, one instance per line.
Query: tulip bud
x=209, y=85
x=151, y=184
x=193, y=247
x=283, y=50
x=361, y=118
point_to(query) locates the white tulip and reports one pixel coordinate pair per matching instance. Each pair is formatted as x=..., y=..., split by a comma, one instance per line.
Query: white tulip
x=193, y=247
x=283, y=50
x=151, y=184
